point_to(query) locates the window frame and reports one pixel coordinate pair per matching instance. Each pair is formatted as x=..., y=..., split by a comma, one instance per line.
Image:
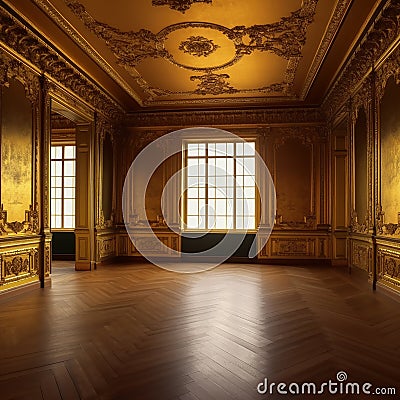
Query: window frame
x=184, y=198
x=62, y=144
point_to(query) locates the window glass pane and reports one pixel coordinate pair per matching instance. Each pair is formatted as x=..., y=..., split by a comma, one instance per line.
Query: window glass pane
x=221, y=166
x=249, y=166
x=239, y=149
x=56, y=152
x=192, y=222
x=69, y=181
x=211, y=149
x=56, y=182
x=202, y=193
x=249, y=192
x=239, y=166
x=249, y=149
x=69, y=168
x=202, y=167
x=220, y=207
x=192, y=193
x=193, y=167
x=229, y=222
x=220, y=222
x=56, y=168
x=192, y=181
x=69, y=193
x=248, y=181
x=69, y=221
x=58, y=221
x=230, y=149
x=192, y=206
x=69, y=206
x=202, y=207
x=69, y=152
x=221, y=193
x=220, y=149
x=202, y=149
x=192, y=149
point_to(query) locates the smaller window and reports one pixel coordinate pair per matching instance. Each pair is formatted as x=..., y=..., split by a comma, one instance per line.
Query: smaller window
x=63, y=164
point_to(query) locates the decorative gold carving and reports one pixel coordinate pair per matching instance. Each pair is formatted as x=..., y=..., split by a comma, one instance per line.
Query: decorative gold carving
x=293, y=247
x=357, y=227
x=178, y=5
x=213, y=84
x=106, y=247
x=18, y=37
x=330, y=34
x=248, y=117
x=389, y=267
x=30, y=225
x=17, y=266
x=378, y=39
x=198, y=46
x=360, y=256
x=284, y=38
x=389, y=229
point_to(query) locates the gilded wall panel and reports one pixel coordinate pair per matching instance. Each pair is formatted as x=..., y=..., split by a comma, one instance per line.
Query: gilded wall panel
x=361, y=194
x=16, y=152
x=389, y=267
x=390, y=154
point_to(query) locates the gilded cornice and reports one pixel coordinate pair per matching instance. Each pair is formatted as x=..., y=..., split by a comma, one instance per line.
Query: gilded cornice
x=51, y=11
x=18, y=38
x=226, y=117
x=329, y=36
x=376, y=41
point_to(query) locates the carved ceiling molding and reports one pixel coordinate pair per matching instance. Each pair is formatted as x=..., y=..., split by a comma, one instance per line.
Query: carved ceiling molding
x=178, y=5
x=31, y=48
x=376, y=41
x=284, y=38
x=227, y=117
x=198, y=46
x=10, y=68
x=52, y=12
x=334, y=24
x=390, y=68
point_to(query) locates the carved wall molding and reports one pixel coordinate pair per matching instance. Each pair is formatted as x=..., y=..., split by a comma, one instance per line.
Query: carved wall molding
x=18, y=264
x=388, y=268
x=29, y=226
x=31, y=48
x=178, y=5
x=375, y=42
x=105, y=247
x=229, y=117
x=361, y=254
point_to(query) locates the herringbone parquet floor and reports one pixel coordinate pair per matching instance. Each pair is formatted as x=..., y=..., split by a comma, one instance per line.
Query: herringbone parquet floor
x=138, y=332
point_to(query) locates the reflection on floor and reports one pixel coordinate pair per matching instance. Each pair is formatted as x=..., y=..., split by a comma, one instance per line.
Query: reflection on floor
x=138, y=332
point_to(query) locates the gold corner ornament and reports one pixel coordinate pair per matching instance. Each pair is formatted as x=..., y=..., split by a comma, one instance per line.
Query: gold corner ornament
x=178, y=5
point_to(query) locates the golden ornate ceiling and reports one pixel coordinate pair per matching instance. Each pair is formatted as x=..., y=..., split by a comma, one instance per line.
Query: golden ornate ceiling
x=204, y=53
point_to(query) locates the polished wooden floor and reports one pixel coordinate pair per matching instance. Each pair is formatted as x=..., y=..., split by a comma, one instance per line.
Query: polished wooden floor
x=138, y=332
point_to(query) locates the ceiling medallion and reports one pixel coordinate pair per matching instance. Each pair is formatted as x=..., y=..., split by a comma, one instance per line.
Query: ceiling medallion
x=213, y=84
x=178, y=5
x=198, y=46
